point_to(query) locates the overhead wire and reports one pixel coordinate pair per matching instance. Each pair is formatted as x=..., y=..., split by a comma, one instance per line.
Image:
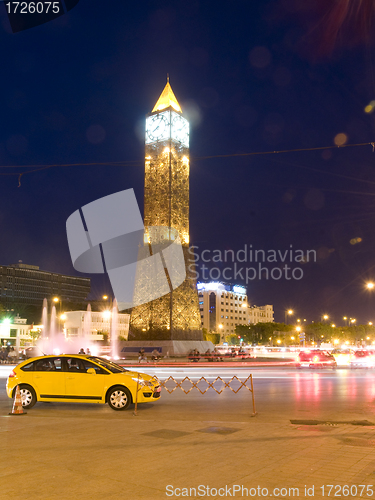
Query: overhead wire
x=37, y=168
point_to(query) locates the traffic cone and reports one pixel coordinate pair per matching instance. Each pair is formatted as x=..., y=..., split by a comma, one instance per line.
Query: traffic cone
x=17, y=403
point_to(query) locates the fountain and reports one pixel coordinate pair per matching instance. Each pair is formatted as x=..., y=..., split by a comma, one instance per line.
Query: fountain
x=52, y=340
x=114, y=324
x=42, y=342
x=45, y=320
x=52, y=330
x=87, y=325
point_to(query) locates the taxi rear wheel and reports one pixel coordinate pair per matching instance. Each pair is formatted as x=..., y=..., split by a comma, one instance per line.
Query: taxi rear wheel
x=28, y=396
x=119, y=398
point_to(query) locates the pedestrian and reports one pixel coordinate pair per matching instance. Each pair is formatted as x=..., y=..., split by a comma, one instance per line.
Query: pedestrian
x=155, y=355
x=12, y=356
x=88, y=352
x=142, y=356
x=4, y=355
x=82, y=351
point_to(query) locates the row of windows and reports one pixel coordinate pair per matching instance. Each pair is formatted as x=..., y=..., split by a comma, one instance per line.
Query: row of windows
x=237, y=312
x=228, y=297
x=37, y=274
x=48, y=279
x=231, y=304
x=231, y=297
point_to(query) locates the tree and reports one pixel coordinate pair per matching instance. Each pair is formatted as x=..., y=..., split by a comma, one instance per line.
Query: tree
x=35, y=335
x=260, y=333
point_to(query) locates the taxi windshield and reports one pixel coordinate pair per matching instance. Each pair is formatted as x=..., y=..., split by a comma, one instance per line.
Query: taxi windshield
x=112, y=367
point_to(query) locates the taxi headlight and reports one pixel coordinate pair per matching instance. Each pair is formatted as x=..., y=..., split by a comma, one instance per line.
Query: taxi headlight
x=142, y=382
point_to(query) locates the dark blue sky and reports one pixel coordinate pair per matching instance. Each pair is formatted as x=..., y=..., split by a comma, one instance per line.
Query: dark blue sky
x=76, y=90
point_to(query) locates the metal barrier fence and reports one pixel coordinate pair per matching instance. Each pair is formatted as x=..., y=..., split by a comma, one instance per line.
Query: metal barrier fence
x=210, y=385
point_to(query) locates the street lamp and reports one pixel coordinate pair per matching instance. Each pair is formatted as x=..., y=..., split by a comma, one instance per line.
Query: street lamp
x=370, y=285
x=289, y=312
x=106, y=314
x=325, y=317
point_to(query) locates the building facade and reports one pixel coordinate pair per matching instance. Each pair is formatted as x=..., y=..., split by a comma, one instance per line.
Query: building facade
x=28, y=285
x=223, y=307
x=15, y=332
x=261, y=314
x=166, y=204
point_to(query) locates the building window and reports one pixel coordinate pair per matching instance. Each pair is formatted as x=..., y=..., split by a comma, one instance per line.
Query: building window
x=212, y=311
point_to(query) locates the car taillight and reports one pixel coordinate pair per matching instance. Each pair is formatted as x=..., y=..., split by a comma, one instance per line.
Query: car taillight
x=12, y=374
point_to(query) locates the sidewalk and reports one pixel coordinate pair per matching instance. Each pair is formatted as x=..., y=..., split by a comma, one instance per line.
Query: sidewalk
x=91, y=452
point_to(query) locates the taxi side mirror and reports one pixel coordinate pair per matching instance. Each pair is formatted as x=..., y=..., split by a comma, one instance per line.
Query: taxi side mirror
x=91, y=371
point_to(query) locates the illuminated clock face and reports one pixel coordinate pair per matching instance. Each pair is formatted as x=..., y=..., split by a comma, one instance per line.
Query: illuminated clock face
x=157, y=127
x=180, y=129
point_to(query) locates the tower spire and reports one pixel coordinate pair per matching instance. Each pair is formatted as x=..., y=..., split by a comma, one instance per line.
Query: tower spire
x=167, y=100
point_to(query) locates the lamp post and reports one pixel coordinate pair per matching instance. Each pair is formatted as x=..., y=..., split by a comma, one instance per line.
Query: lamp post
x=107, y=317
x=221, y=332
x=370, y=286
x=57, y=301
x=288, y=312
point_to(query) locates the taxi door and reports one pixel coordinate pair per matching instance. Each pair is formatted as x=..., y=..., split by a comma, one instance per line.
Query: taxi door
x=49, y=378
x=82, y=385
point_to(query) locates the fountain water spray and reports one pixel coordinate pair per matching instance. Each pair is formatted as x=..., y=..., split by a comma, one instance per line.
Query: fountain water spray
x=87, y=325
x=114, y=324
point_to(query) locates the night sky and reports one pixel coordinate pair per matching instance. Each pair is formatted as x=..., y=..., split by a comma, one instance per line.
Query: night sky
x=251, y=77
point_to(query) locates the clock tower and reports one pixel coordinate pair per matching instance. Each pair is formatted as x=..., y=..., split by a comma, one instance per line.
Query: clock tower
x=166, y=203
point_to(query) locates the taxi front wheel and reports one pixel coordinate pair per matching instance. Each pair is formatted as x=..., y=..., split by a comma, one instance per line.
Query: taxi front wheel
x=119, y=398
x=28, y=396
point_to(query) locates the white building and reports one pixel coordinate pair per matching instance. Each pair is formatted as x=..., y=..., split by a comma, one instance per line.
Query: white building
x=14, y=331
x=223, y=307
x=77, y=323
x=261, y=314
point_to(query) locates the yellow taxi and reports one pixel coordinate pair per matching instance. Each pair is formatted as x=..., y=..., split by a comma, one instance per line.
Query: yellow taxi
x=80, y=379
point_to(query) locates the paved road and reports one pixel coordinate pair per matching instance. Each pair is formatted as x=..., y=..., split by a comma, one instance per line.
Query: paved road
x=91, y=452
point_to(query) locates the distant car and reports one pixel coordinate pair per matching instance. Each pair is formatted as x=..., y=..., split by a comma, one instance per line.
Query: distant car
x=315, y=359
x=245, y=353
x=80, y=379
x=362, y=359
x=343, y=357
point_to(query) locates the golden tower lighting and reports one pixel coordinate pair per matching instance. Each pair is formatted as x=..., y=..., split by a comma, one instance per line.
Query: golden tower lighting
x=166, y=203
